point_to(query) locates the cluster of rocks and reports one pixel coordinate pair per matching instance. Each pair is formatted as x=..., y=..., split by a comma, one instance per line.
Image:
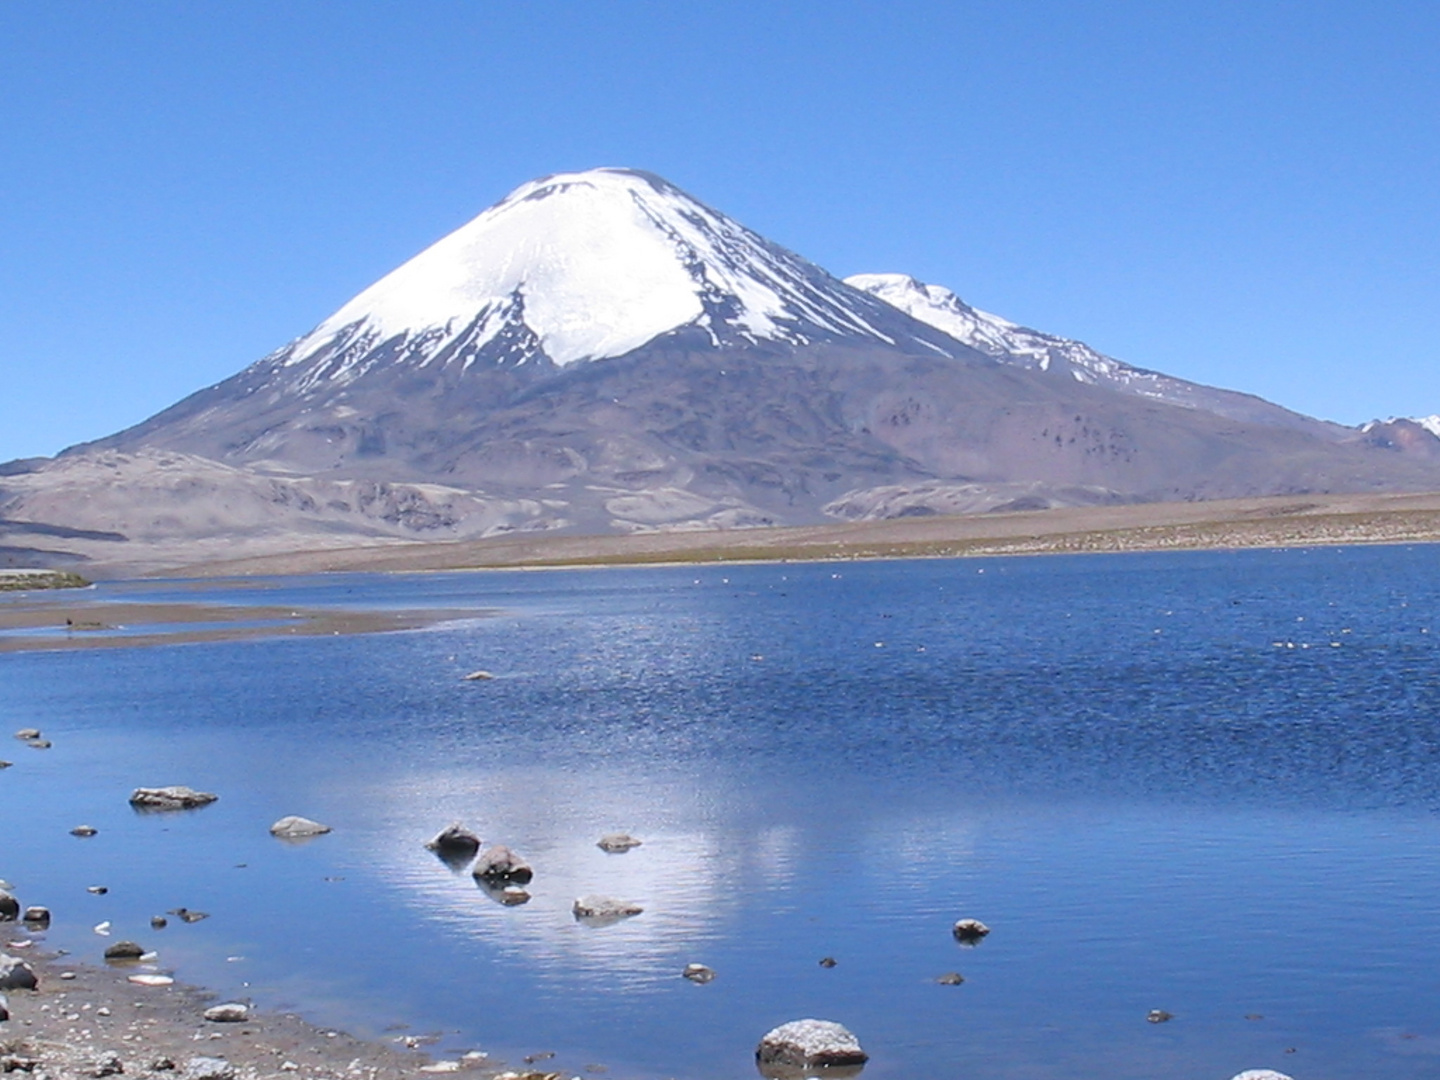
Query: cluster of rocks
x=503, y=873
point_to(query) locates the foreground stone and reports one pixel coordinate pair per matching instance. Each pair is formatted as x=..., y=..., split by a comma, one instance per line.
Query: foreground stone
x=807, y=1044
x=232, y=1012
x=125, y=950
x=501, y=864
x=293, y=827
x=617, y=843
x=175, y=797
x=16, y=974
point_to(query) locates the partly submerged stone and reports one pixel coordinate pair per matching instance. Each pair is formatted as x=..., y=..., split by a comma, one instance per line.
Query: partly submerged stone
x=37, y=916
x=125, y=950
x=604, y=909
x=969, y=931
x=293, y=827
x=174, y=797
x=499, y=864
x=9, y=907
x=84, y=830
x=454, y=841
x=617, y=843
x=699, y=973
x=807, y=1044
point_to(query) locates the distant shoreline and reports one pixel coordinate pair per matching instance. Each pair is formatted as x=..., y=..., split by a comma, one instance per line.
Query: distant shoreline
x=1235, y=524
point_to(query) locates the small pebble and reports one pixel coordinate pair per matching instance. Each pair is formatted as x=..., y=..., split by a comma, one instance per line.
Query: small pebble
x=98, y=890
x=84, y=830
x=951, y=978
x=1159, y=1016
x=828, y=962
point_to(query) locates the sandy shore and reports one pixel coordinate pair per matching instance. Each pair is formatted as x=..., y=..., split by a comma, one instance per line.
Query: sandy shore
x=1276, y=521
x=90, y=1022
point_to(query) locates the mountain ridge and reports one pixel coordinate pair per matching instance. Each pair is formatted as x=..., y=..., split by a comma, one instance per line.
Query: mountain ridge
x=601, y=352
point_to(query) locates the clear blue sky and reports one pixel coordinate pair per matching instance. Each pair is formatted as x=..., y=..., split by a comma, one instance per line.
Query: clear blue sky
x=1240, y=193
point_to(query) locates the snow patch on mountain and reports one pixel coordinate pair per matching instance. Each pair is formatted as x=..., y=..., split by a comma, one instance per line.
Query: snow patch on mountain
x=583, y=266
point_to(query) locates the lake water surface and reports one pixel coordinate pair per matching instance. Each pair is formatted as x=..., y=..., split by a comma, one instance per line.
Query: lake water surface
x=1206, y=783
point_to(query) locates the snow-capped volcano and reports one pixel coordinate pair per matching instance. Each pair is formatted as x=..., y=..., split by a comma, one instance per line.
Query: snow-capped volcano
x=585, y=266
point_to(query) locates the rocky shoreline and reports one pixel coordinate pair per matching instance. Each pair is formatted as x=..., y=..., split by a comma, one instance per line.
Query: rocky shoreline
x=84, y=1021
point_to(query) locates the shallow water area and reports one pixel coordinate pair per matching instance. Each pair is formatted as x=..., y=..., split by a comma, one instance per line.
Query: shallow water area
x=1205, y=783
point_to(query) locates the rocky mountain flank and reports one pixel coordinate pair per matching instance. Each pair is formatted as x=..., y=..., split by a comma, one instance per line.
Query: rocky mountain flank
x=600, y=352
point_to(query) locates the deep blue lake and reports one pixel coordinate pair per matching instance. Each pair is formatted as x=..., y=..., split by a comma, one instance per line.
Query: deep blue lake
x=1207, y=783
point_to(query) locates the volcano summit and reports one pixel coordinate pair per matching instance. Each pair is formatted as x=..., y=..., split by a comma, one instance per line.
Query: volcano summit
x=601, y=352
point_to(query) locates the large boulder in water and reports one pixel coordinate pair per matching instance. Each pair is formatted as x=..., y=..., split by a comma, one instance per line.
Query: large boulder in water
x=174, y=797
x=15, y=974
x=809, y=1044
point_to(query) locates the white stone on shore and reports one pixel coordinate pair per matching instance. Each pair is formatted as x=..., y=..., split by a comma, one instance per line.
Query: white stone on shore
x=231, y=1012
x=208, y=1068
x=152, y=980
x=807, y=1044
x=293, y=827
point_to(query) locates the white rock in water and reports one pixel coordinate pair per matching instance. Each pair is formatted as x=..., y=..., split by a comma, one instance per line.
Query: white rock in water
x=16, y=974
x=232, y=1012
x=478, y=676
x=1260, y=1074
x=294, y=828
x=208, y=1068
x=175, y=797
x=810, y=1043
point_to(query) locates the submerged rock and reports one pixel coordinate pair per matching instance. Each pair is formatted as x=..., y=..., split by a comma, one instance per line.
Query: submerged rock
x=1159, y=1016
x=16, y=974
x=454, y=841
x=39, y=744
x=499, y=863
x=175, y=797
x=617, y=843
x=969, y=931
x=951, y=978
x=293, y=827
x=808, y=1044
x=478, y=676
